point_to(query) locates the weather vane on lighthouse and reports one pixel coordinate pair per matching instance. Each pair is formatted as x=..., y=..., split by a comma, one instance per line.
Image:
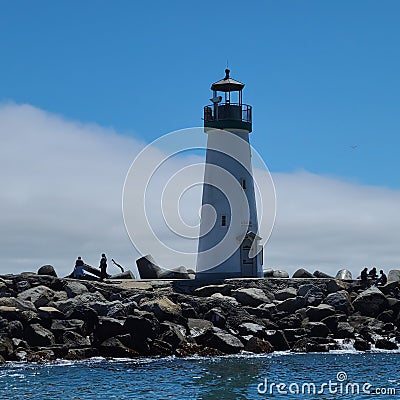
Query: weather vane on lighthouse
x=229, y=243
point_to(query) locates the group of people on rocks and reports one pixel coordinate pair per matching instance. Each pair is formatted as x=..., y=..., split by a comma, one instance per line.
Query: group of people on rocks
x=371, y=277
x=79, y=271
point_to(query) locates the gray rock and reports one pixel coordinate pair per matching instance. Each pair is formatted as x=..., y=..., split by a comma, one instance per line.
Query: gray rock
x=308, y=345
x=394, y=275
x=224, y=342
x=225, y=299
x=344, y=274
x=291, y=305
x=303, y=290
x=109, y=327
x=370, y=302
x=280, y=274
x=199, y=327
x=58, y=327
x=302, y=273
x=141, y=327
x=341, y=301
x=250, y=328
x=36, y=335
x=47, y=270
x=216, y=316
x=289, y=322
x=173, y=334
x=75, y=288
x=317, y=314
x=251, y=296
x=6, y=347
x=207, y=291
x=39, y=295
x=285, y=294
x=163, y=308
x=74, y=340
x=112, y=347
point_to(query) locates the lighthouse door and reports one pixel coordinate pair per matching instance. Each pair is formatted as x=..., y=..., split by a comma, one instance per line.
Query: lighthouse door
x=248, y=265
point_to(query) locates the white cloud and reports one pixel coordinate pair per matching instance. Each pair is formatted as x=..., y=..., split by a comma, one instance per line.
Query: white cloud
x=61, y=191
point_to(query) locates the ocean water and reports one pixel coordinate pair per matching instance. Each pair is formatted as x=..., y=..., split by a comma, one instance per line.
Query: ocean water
x=374, y=374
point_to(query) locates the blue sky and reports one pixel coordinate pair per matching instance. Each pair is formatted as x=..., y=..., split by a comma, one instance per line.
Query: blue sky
x=84, y=85
x=322, y=76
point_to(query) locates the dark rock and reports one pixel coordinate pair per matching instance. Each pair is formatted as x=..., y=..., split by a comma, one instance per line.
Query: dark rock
x=188, y=311
x=268, y=273
x=112, y=347
x=385, y=344
x=59, y=327
x=161, y=348
x=362, y=345
x=291, y=305
x=207, y=291
x=163, y=308
x=344, y=274
x=36, y=335
x=316, y=314
x=302, y=273
x=278, y=340
x=47, y=270
x=81, y=354
x=251, y=296
x=370, y=302
x=331, y=322
x=173, y=334
x=333, y=286
x=293, y=335
x=41, y=356
x=285, y=294
x=147, y=267
x=289, y=322
x=216, y=316
x=123, y=275
x=386, y=316
x=316, y=329
x=141, y=327
x=6, y=346
x=2, y=360
x=340, y=301
x=344, y=331
x=22, y=286
x=74, y=340
x=319, y=274
x=199, y=328
x=308, y=345
x=108, y=327
x=15, y=329
x=258, y=346
x=224, y=342
x=40, y=295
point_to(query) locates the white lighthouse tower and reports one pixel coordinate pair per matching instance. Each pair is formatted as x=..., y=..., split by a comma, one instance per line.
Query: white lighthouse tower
x=229, y=242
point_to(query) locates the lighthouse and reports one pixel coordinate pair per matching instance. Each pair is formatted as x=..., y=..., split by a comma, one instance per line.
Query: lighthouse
x=228, y=242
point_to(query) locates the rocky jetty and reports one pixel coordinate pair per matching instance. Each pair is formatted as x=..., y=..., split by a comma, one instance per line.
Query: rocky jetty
x=43, y=317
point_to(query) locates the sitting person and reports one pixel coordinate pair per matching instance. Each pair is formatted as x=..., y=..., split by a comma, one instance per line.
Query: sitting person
x=382, y=280
x=78, y=269
x=364, y=277
x=372, y=274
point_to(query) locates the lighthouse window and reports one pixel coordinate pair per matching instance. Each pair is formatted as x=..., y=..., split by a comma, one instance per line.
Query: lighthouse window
x=243, y=183
x=223, y=220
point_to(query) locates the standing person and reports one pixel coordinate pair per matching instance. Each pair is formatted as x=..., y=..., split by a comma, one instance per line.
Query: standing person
x=78, y=269
x=364, y=277
x=103, y=267
x=382, y=280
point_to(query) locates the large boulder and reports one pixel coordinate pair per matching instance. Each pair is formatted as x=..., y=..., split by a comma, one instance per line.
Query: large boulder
x=141, y=327
x=6, y=346
x=341, y=301
x=317, y=314
x=112, y=347
x=147, y=267
x=302, y=273
x=75, y=288
x=47, y=270
x=344, y=330
x=258, y=346
x=224, y=342
x=75, y=340
x=251, y=296
x=308, y=345
x=109, y=327
x=370, y=302
x=323, y=275
x=163, y=308
x=199, y=328
x=277, y=339
x=394, y=275
x=344, y=274
x=291, y=305
x=250, y=328
x=268, y=273
x=385, y=344
x=36, y=335
x=39, y=295
x=50, y=313
x=316, y=329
